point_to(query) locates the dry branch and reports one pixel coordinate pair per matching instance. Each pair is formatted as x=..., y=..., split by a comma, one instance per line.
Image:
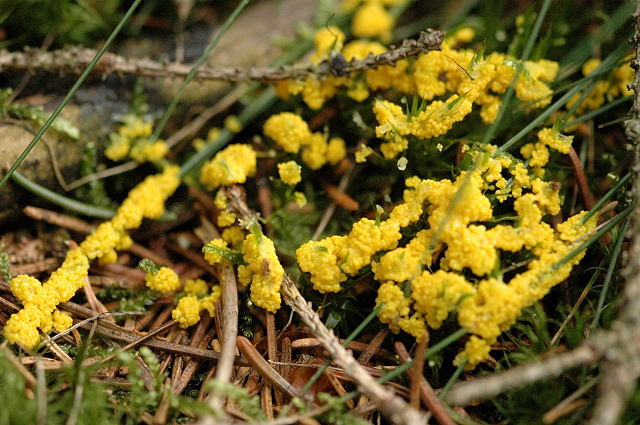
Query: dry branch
x=392, y=406
x=74, y=60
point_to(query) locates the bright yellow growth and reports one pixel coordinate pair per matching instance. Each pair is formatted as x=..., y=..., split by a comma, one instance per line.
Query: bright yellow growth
x=290, y=172
x=231, y=165
x=40, y=300
x=233, y=235
x=214, y=256
x=226, y=218
x=187, y=312
x=195, y=287
x=263, y=270
x=164, y=280
x=456, y=242
x=292, y=133
x=607, y=88
x=372, y=20
x=233, y=124
x=132, y=140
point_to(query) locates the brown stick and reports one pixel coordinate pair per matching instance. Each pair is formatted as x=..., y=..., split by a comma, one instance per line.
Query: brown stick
x=392, y=406
x=74, y=60
x=581, y=178
x=229, y=335
x=429, y=397
x=272, y=348
x=302, y=343
x=416, y=371
x=255, y=358
x=396, y=409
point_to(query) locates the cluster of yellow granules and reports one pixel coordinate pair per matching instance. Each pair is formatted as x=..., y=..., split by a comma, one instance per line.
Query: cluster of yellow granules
x=231, y=165
x=40, y=301
x=427, y=278
x=292, y=133
x=198, y=298
x=606, y=89
x=463, y=76
x=132, y=139
x=262, y=269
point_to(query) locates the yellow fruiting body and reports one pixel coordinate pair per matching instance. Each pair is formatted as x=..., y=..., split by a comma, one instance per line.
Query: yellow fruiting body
x=292, y=133
x=462, y=245
x=233, y=235
x=187, y=312
x=233, y=124
x=143, y=152
x=231, y=165
x=226, y=218
x=290, y=172
x=196, y=287
x=164, y=280
x=40, y=300
x=214, y=256
x=372, y=20
x=265, y=270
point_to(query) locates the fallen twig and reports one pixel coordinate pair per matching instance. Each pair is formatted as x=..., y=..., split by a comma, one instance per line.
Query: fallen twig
x=427, y=394
x=74, y=60
x=392, y=406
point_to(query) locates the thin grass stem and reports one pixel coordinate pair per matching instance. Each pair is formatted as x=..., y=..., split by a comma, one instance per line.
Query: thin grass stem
x=617, y=249
x=506, y=100
x=201, y=60
x=605, y=198
x=61, y=200
x=452, y=380
x=71, y=92
x=599, y=111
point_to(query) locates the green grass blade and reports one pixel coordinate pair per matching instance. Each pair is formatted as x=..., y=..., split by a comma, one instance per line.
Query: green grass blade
x=71, y=92
x=600, y=110
x=452, y=380
x=617, y=249
x=612, y=58
x=194, y=70
x=506, y=100
x=255, y=108
x=62, y=201
x=585, y=50
x=605, y=198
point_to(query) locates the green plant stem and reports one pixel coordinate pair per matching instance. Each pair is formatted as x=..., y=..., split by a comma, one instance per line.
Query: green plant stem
x=71, y=92
x=607, y=280
x=435, y=349
x=353, y=335
x=599, y=111
x=506, y=100
x=60, y=200
x=255, y=108
x=452, y=380
x=194, y=70
x=605, y=198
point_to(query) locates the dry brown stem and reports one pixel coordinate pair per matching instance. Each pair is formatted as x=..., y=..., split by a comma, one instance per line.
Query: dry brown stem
x=74, y=60
x=392, y=406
